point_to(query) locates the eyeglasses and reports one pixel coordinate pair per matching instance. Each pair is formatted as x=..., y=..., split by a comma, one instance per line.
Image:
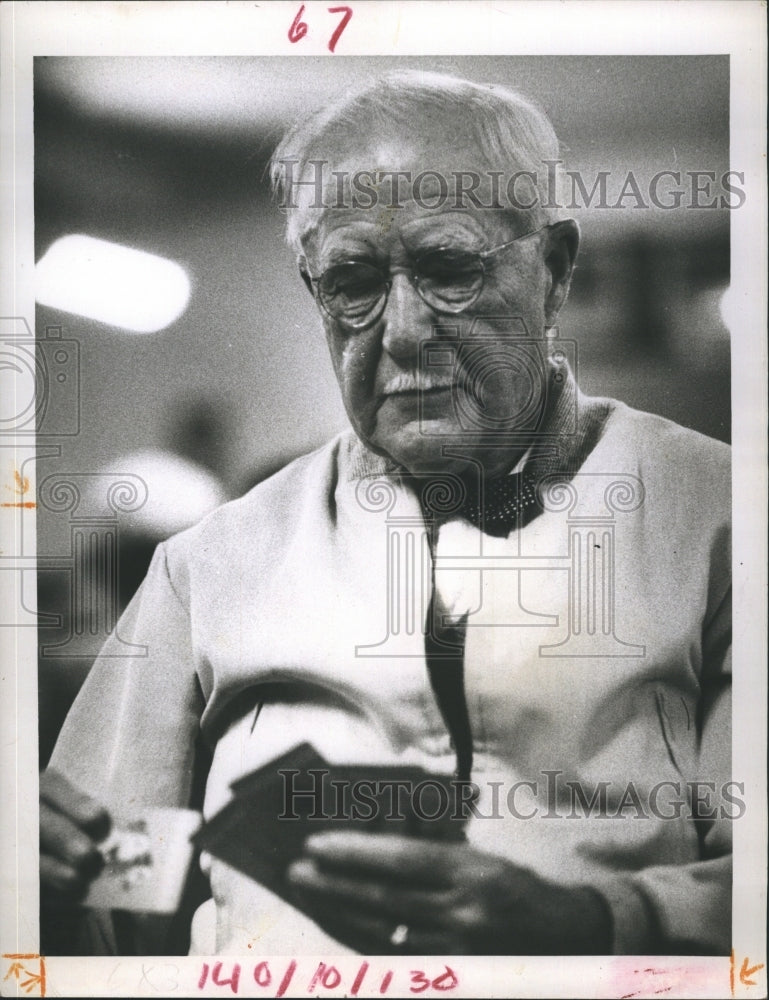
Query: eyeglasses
x=448, y=280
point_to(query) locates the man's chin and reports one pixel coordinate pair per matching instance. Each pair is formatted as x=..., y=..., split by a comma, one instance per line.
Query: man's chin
x=426, y=447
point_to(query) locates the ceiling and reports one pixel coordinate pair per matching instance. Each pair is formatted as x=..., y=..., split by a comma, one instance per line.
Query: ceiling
x=654, y=98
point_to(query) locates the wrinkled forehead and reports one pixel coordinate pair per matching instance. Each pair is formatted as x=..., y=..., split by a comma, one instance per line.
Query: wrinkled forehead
x=389, y=181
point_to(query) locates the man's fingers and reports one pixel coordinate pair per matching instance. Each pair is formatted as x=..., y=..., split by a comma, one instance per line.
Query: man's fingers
x=424, y=907
x=60, y=880
x=63, y=796
x=370, y=934
x=426, y=862
x=67, y=843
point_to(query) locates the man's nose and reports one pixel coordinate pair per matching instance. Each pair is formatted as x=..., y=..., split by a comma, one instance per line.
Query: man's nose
x=407, y=319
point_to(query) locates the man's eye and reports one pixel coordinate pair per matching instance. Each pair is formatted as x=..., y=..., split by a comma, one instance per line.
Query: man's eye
x=352, y=281
x=449, y=267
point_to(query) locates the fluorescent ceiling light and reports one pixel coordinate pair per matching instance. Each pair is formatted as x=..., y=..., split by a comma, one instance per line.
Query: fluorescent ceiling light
x=113, y=284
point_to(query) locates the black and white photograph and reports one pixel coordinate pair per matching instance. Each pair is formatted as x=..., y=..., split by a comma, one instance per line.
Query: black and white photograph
x=385, y=439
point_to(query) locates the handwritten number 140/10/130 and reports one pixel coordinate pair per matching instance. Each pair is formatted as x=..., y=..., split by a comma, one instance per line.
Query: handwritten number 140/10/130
x=326, y=977
x=299, y=28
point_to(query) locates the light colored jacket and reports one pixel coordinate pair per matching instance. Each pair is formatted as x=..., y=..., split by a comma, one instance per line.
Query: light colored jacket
x=597, y=647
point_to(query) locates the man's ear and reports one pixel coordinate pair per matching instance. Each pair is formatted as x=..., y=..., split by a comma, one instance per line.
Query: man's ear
x=560, y=256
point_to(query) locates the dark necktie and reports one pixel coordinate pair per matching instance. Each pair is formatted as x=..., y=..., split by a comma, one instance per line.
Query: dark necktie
x=500, y=506
x=444, y=653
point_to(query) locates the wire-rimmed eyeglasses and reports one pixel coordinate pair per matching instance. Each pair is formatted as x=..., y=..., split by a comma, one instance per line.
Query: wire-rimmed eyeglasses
x=449, y=280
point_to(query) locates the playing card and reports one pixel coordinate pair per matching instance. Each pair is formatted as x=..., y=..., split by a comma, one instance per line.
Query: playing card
x=146, y=859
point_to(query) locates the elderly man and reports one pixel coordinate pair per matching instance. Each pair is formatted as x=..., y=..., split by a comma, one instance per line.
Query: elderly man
x=494, y=576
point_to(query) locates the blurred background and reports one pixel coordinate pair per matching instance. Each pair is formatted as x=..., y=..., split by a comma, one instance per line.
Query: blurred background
x=217, y=368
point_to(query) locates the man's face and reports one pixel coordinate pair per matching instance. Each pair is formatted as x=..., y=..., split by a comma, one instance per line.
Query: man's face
x=399, y=407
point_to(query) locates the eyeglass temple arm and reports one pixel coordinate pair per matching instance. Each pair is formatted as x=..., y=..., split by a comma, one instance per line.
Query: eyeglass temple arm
x=483, y=254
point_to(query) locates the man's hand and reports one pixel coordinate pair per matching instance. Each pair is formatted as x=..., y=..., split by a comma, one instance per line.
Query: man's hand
x=71, y=825
x=453, y=899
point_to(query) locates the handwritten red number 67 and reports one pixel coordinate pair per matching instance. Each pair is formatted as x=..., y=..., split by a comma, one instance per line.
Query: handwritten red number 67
x=298, y=28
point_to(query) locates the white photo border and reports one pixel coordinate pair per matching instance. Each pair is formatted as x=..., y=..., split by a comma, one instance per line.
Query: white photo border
x=594, y=27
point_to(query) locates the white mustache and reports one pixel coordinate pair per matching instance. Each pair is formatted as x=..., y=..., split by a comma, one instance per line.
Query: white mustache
x=416, y=382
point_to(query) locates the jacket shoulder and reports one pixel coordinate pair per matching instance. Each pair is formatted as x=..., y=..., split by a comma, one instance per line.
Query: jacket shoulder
x=264, y=516
x=685, y=463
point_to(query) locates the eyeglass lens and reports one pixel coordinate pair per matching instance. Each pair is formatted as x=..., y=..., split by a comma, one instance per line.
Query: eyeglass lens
x=448, y=280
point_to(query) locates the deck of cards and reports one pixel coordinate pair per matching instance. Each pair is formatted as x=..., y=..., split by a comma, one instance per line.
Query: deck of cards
x=262, y=829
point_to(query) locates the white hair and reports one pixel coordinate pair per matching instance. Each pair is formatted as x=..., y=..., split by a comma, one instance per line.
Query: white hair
x=508, y=131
